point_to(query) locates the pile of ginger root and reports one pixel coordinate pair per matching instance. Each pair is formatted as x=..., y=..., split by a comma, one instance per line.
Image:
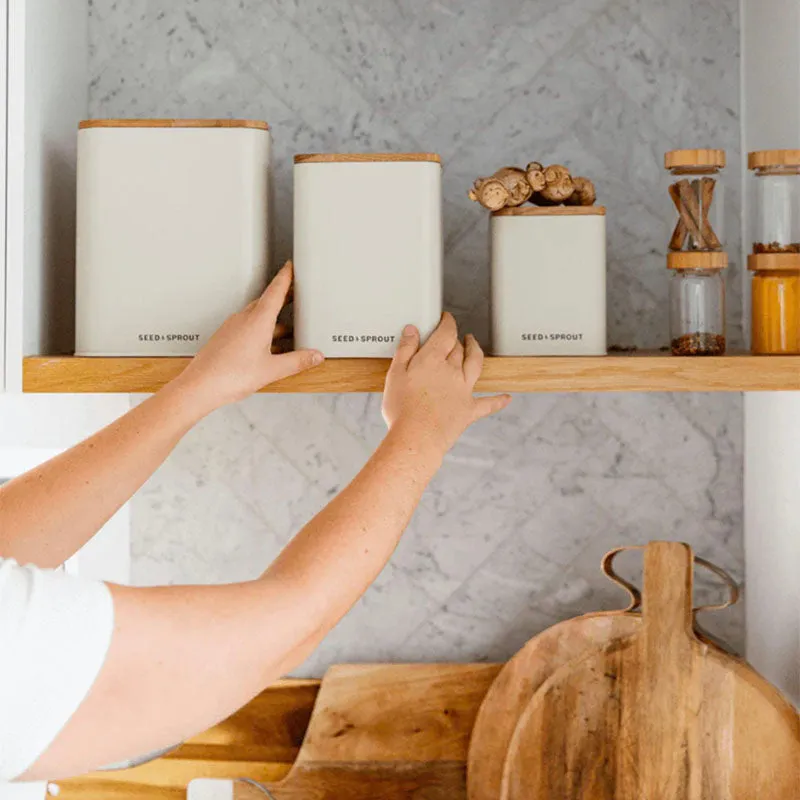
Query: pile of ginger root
x=543, y=186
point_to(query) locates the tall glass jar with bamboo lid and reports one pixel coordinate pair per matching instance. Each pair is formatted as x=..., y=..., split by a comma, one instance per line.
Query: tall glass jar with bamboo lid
x=697, y=303
x=697, y=195
x=776, y=201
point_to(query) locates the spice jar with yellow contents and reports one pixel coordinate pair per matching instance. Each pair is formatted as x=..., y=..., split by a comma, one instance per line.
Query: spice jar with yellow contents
x=697, y=193
x=775, y=303
x=697, y=303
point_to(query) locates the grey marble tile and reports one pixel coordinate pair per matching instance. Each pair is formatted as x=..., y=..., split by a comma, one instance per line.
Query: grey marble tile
x=508, y=538
x=327, y=455
x=226, y=450
x=190, y=531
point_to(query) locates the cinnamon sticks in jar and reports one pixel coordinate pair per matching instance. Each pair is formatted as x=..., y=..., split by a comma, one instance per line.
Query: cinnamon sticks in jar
x=696, y=193
x=696, y=255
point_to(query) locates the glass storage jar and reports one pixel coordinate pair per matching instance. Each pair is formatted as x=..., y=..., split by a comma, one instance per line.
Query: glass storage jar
x=775, y=304
x=777, y=201
x=697, y=193
x=697, y=303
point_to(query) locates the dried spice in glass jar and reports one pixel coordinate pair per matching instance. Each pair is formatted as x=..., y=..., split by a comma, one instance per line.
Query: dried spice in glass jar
x=777, y=201
x=697, y=194
x=697, y=303
x=775, y=303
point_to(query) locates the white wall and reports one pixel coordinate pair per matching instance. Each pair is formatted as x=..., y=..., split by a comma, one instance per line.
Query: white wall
x=34, y=428
x=771, y=119
x=772, y=536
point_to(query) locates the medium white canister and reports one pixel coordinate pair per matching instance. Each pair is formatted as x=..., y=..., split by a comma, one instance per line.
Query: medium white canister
x=367, y=250
x=172, y=232
x=548, y=281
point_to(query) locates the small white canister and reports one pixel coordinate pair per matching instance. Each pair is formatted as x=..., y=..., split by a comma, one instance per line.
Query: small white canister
x=172, y=231
x=548, y=279
x=367, y=250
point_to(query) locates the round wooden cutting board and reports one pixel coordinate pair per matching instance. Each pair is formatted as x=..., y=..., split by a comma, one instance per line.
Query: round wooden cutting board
x=525, y=673
x=659, y=714
x=519, y=681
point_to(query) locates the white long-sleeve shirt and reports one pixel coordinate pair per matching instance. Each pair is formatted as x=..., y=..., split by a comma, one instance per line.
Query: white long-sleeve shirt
x=55, y=631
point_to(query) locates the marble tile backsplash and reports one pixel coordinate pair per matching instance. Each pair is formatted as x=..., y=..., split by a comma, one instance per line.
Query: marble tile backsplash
x=508, y=538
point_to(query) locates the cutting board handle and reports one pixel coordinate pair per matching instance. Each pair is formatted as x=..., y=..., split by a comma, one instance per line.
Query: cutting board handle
x=607, y=565
x=667, y=603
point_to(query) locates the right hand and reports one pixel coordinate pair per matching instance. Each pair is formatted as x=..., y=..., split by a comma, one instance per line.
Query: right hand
x=238, y=359
x=429, y=389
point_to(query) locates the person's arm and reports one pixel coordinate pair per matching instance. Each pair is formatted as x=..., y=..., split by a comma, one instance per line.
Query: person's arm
x=48, y=514
x=183, y=658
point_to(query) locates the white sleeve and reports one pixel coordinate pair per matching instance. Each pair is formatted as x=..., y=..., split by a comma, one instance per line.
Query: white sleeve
x=55, y=630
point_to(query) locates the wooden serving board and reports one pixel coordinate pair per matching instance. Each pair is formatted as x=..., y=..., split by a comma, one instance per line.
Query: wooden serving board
x=519, y=681
x=658, y=715
x=527, y=671
x=366, y=731
x=397, y=731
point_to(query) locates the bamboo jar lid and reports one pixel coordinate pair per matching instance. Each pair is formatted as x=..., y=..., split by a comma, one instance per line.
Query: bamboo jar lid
x=697, y=259
x=761, y=159
x=773, y=261
x=173, y=123
x=363, y=158
x=694, y=158
x=551, y=211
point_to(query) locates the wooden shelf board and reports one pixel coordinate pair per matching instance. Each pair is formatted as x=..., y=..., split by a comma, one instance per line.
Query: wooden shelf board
x=639, y=372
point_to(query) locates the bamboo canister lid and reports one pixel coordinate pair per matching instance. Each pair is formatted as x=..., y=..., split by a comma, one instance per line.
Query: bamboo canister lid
x=173, y=123
x=697, y=259
x=363, y=158
x=551, y=211
x=694, y=158
x=761, y=159
x=773, y=261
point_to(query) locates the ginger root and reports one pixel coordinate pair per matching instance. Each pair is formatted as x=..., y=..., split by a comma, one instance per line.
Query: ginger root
x=507, y=187
x=584, y=195
x=544, y=186
x=490, y=193
x=535, y=175
x=558, y=184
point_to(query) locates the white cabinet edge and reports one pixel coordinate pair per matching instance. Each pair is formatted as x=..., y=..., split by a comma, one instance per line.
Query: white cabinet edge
x=47, y=80
x=3, y=172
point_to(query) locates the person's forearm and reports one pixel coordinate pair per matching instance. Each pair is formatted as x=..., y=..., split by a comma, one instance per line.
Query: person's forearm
x=48, y=514
x=218, y=646
x=337, y=555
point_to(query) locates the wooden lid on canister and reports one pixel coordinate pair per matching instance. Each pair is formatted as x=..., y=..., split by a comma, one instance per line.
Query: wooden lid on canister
x=773, y=261
x=762, y=159
x=704, y=157
x=551, y=211
x=363, y=158
x=173, y=123
x=697, y=259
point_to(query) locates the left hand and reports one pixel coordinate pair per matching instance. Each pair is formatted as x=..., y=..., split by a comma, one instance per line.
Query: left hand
x=238, y=360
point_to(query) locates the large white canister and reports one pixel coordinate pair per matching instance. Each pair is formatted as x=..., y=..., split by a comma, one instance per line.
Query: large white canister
x=548, y=281
x=367, y=250
x=172, y=231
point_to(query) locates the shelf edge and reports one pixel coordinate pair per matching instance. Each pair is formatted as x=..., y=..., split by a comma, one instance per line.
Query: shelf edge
x=618, y=373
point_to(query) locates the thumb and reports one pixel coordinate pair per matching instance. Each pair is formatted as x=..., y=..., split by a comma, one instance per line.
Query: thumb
x=408, y=346
x=294, y=362
x=486, y=406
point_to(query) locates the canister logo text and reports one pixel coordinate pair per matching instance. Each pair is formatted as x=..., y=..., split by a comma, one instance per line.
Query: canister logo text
x=552, y=337
x=169, y=337
x=348, y=338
